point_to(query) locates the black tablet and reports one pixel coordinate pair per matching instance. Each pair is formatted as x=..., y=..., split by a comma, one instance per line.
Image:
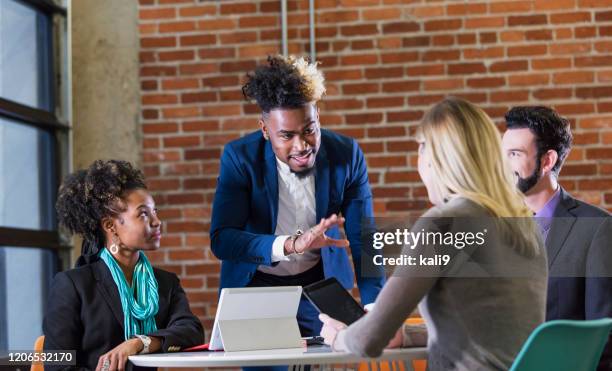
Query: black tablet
x=329, y=297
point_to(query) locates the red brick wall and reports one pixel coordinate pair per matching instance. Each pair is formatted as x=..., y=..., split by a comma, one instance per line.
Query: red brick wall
x=386, y=62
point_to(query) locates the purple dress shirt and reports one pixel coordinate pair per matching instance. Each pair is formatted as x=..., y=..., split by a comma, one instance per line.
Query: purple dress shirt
x=544, y=217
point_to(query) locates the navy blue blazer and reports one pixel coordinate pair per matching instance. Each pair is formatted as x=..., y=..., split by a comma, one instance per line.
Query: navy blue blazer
x=580, y=242
x=245, y=209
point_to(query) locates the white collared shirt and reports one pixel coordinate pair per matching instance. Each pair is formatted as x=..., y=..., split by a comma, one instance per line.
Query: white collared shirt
x=296, y=210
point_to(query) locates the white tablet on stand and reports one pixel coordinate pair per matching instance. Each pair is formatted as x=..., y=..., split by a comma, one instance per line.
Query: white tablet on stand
x=256, y=318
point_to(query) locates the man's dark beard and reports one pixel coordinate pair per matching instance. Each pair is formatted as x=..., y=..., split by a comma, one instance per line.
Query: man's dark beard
x=304, y=173
x=525, y=184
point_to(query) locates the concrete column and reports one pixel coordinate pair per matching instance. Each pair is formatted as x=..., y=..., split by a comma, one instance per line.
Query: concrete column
x=105, y=84
x=105, y=81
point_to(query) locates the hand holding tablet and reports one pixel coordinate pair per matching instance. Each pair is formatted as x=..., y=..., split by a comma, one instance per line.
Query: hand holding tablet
x=329, y=297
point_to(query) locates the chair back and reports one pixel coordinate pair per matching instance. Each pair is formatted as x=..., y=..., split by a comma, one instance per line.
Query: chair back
x=38, y=347
x=564, y=345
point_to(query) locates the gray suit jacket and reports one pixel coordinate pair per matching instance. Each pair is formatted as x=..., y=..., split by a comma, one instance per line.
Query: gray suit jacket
x=579, y=247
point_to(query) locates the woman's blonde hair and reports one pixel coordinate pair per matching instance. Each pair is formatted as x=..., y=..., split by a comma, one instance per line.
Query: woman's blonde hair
x=465, y=150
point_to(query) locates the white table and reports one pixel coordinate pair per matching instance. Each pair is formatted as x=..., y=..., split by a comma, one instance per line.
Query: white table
x=315, y=355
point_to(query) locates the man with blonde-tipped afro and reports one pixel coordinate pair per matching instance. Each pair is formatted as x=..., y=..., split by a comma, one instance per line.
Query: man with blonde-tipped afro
x=285, y=191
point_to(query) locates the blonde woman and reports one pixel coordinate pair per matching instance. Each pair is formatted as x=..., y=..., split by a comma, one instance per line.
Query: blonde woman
x=473, y=323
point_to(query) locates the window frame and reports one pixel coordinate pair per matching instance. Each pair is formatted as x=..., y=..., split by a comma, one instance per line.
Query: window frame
x=48, y=120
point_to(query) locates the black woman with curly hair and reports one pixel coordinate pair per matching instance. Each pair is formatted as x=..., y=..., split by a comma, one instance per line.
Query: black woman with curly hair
x=114, y=303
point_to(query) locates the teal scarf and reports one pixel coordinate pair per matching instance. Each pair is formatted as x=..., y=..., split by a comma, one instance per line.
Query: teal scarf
x=140, y=302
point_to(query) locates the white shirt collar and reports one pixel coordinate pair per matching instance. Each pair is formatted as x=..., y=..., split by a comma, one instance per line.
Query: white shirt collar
x=282, y=167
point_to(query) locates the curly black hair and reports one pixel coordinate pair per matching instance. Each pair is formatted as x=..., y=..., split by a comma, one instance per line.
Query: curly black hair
x=87, y=196
x=284, y=83
x=551, y=130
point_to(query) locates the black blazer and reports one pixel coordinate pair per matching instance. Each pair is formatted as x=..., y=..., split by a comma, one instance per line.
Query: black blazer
x=579, y=246
x=84, y=313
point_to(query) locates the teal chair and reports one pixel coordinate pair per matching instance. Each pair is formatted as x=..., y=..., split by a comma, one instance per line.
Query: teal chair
x=564, y=345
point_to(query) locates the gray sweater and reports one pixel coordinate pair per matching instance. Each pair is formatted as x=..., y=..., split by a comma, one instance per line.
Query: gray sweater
x=473, y=323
